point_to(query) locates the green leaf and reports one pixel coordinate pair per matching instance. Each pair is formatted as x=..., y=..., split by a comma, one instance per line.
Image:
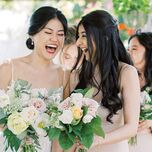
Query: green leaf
x=78, y=127
x=2, y=113
x=12, y=141
x=72, y=136
x=70, y=129
x=89, y=93
x=85, y=110
x=22, y=82
x=64, y=141
x=82, y=91
x=54, y=133
x=3, y=120
x=87, y=136
x=96, y=126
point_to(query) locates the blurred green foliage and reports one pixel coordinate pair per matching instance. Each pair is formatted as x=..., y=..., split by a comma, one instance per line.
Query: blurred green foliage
x=126, y=6
x=133, y=13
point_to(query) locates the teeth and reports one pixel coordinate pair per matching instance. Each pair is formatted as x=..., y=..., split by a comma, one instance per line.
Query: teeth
x=51, y=45
x=84, y=49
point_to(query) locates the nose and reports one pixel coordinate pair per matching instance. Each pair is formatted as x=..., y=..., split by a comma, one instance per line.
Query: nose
x=54, y=37
x=78, y=42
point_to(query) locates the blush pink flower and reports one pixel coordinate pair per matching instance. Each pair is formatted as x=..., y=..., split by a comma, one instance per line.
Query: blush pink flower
x=39, y=104
x=92, y=106
x=64, y=105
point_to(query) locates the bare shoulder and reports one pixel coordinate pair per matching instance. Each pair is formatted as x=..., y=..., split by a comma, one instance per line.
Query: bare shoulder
x=126, y=68
x=5, y=67
x=5, y=73
x=128, y=75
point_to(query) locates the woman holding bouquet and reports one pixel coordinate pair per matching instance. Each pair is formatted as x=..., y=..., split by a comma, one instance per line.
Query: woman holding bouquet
x=140, y=49
x=46, y=32
x=108, y=68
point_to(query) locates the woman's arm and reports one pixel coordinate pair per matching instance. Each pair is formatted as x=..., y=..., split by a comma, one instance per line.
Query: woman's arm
x=130, y=91
x=5, y=75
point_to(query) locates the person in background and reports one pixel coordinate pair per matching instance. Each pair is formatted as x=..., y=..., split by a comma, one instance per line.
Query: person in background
x=46, y=32
x=108, y=68
x=68, y=57
x=140, y=49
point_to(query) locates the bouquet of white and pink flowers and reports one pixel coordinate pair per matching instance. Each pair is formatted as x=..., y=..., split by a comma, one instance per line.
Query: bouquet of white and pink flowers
x=145, y=110
x=24, y=115
x=75, y=119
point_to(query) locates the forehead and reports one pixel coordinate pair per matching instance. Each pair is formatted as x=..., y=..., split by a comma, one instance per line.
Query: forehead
x=81, y=29
x=72, y=50
x=54, y=24
x=134, y=41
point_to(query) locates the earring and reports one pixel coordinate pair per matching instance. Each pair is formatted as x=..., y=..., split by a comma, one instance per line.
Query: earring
x=32, y=42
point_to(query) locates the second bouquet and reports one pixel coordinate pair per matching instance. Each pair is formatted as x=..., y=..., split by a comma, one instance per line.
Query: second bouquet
x=75, y=119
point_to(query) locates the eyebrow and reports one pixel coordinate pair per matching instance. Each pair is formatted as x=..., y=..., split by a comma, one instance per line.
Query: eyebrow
x=52, y=29
x=83, y=32
x=134, y=46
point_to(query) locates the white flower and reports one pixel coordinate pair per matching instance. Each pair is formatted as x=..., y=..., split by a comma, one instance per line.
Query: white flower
x=4, y=99
x=41, y=122
x=16, y=123
x=145, y=97
x=87, y=118
x=77, y=99
x=30, y=114
x=77, y=96
x=147, y=107
x=66, y=117
x=25, y=99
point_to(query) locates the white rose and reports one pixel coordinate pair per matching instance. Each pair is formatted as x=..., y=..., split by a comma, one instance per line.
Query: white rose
x=30, y=114
x=77, y=99
x=4, y=99
x=87, y=118
x=66, y=117
x=77, y=96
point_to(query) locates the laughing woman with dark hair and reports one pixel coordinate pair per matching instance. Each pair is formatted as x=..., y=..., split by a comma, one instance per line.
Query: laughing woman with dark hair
x=46, y=32
x=140, y=49
x=108, y=68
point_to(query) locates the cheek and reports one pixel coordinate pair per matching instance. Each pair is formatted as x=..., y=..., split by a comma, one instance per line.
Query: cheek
x=138, y=57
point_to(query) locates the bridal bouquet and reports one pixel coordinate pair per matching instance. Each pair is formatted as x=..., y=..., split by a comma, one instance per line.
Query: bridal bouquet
x=145, y=110
x=23, y=113
x=75, y=119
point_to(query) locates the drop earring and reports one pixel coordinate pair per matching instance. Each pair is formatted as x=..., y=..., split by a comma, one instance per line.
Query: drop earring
x=32, y=43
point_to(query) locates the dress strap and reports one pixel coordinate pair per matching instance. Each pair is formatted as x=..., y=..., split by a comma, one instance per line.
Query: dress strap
x=12, y=70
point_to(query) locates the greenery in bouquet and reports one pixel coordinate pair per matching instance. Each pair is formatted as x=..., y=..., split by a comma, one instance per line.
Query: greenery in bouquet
x=75, y=119
x=145, y=110
x=24, y=115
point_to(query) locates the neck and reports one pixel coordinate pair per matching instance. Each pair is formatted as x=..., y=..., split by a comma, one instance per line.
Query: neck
x=40, y=62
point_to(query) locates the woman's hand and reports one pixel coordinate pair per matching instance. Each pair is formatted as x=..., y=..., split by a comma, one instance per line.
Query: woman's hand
x=96, y=141
x=145, y=124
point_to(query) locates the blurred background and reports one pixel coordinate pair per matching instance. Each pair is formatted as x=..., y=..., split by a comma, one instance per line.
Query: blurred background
x=15, y=14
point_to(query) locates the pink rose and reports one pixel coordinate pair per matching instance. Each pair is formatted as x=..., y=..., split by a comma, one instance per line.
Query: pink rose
x=64, y=105
x=92, y=106
x=39, y=104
